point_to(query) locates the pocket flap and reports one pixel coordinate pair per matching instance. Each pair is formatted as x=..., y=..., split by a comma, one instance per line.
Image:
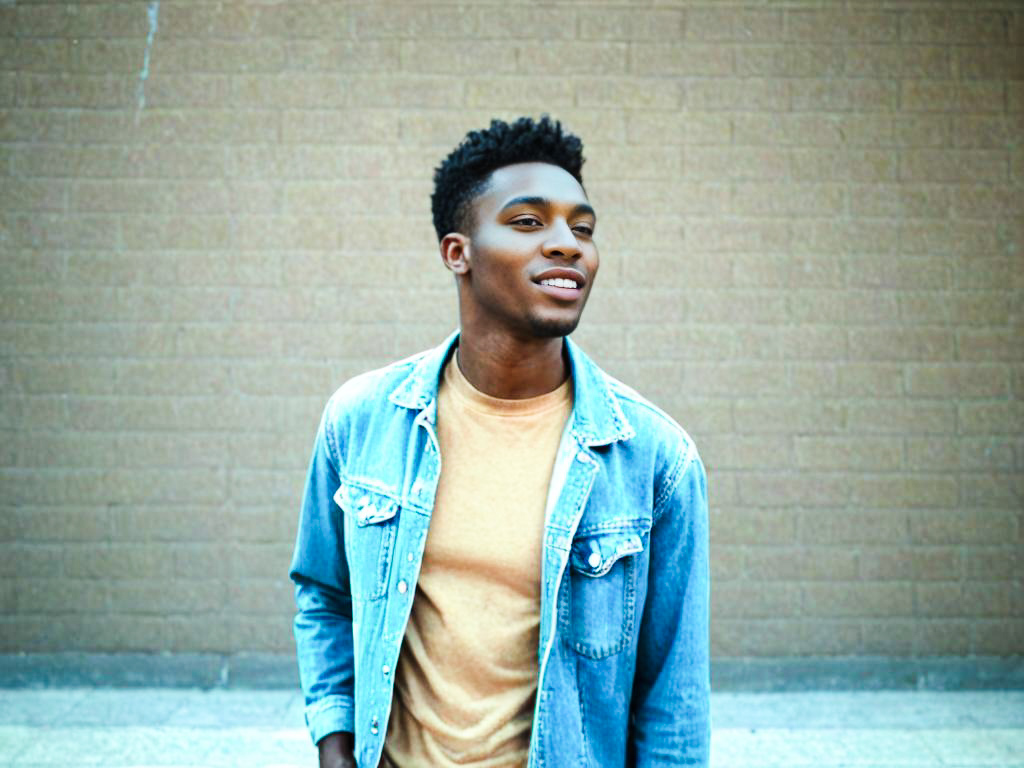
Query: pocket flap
x=594, y=555
x=369, y=506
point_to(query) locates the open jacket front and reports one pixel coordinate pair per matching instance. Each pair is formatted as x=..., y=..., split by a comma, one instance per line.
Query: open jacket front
x=623, y=658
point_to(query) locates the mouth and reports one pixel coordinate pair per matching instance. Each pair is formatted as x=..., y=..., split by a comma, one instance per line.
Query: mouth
x=566, y=284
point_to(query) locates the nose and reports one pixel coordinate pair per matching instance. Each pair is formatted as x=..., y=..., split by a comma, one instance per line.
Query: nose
x=561, y=241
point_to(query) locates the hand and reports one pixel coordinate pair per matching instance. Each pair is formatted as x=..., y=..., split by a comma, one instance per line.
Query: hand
x=336, y=750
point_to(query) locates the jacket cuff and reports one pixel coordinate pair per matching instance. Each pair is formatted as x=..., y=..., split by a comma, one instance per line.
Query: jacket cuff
x=330, y=714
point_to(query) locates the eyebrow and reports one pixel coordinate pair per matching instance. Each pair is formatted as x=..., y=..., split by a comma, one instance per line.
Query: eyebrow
x=543, y=202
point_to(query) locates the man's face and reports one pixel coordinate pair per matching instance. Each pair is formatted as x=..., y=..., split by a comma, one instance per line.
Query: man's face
x=530, y=258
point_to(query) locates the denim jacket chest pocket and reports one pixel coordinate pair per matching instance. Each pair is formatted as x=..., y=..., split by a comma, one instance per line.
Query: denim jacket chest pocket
x=370, y=525
x=598, y=612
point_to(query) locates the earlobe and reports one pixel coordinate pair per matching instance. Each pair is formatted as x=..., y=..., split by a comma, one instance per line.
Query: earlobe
x=455, y=253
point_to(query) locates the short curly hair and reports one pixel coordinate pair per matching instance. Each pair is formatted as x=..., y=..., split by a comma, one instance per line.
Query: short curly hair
x=465, y=172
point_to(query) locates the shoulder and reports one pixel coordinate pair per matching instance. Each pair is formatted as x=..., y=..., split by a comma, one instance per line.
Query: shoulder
x=651, y=422
x=370, y=389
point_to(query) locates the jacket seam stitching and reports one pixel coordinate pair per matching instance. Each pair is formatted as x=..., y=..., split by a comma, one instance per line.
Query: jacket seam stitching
x=682, y=463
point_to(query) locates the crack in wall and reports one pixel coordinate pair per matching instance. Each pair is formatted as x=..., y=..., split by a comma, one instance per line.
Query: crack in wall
x=153, y=12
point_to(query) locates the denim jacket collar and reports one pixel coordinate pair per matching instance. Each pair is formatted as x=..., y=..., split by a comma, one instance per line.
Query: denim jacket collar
x=597, y=418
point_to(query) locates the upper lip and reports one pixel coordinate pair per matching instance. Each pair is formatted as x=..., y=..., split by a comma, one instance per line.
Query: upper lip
x=567, y=274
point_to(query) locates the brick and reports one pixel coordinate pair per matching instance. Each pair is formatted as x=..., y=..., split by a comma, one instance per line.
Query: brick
x=59, y=596
x=994, y=490
x=987, y=131
x=765, y=526
x=855, y=454
x=945, y=26
x=823, y=25
x=224, y=20
x=962, y=526
x=631, y=24
x=861, y=166
x=756, y=600
x=990, y=345
x=34, y=55
x=733, y=24
x=739, y=163
x=481, y=58
x=540, y=23
x=610, y=92
x=305, y=20
x=628, y=163
x=918, y=61
x=904, y=491
x=800, y=564
x=788, y=61
x=786, y=130
x=507, y=93
x=345, y=56
x=901, y=344
x=695, y=128
x=875, y=599
x=902, y=416
x=886, y=563
x=996, y=636
x=832, y=95
x=853, y=526
x=887, y=637
x=988, y=62
x=204, y=634
x=948, y=636
x=922, y=130
x=663, y=59
x=992, y=563
x=957, y=381
x=748, y=94
x=986, y=453
x=162, y=598
x=954, y=166
x=952, y=96
x=803, y=199
x=571, y=58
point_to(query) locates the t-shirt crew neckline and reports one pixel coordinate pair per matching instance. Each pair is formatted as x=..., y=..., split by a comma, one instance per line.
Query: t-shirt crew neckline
x=481, y=402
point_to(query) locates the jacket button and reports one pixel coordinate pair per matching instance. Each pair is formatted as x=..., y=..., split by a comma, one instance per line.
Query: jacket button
x=402, y=586
x=594, y=560
x=363, y=502
x=385, y=669
x=409, y=557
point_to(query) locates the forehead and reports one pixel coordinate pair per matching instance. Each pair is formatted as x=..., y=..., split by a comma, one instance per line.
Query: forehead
x=530, y=180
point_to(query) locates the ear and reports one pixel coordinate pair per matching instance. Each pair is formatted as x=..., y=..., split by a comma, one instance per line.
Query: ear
x=455, y=252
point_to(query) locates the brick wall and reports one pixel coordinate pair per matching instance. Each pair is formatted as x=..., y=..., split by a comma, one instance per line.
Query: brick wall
x=211, y=214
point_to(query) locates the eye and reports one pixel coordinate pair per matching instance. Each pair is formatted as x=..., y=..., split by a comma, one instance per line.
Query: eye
x=584, y=229
x=528, y=220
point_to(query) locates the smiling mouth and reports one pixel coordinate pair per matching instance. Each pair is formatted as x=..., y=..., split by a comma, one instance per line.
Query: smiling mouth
x=560, y=282
x=561, y=289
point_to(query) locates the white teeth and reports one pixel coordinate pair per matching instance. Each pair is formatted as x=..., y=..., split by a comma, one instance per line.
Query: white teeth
x=559, y=282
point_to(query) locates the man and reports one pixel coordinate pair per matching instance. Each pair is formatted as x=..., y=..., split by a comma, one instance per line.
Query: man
x=502, y=554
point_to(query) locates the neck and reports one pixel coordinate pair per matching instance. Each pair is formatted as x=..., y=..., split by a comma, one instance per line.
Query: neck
x=510, y=368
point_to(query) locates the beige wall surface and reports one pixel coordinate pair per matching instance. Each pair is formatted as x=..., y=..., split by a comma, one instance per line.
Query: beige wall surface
x=211, y=214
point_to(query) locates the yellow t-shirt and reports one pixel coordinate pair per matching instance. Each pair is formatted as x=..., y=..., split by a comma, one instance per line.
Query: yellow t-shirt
x=466, y=677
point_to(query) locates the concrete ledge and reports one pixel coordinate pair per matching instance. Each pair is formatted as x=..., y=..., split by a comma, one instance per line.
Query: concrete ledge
x=254, y=670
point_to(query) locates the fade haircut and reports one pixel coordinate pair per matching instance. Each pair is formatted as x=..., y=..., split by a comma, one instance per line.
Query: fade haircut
x=464, y=174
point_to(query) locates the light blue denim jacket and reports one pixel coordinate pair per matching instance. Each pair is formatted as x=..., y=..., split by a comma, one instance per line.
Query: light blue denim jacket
x=623, y=658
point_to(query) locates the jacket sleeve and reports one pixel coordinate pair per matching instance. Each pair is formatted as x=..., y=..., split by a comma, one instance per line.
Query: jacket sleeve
x=670, y=712
x=323, y=623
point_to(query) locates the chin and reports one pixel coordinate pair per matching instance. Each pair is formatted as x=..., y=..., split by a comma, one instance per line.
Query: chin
x=550, y=327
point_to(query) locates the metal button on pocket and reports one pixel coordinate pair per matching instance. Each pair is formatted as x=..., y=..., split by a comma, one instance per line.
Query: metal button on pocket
x=597, y=617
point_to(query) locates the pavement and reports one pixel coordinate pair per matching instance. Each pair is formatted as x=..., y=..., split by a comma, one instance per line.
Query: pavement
x=264, y=729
